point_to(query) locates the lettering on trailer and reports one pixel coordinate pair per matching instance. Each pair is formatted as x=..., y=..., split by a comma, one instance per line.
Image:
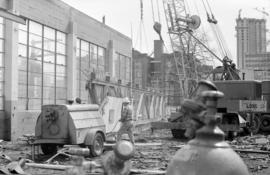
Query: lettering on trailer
x=252, y=106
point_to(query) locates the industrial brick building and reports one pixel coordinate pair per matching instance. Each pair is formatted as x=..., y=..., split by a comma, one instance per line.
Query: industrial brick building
x=48, y=60
x=141, y=70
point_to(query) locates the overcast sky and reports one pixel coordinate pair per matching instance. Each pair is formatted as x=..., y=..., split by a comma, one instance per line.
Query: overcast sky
x=124, y=16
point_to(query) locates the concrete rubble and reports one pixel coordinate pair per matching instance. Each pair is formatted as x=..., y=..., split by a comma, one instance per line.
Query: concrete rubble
x=152, y=155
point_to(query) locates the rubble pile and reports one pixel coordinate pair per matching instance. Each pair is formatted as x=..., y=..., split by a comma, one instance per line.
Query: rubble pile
x=254, y=150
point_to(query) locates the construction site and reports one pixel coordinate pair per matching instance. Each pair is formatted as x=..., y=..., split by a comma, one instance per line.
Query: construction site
x=78, y=97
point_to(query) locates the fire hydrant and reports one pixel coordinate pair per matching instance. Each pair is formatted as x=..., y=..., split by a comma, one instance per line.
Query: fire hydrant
x=208, y=153
x=117, y=162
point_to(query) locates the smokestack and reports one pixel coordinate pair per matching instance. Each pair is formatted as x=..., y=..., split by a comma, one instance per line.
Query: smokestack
x=158, y=49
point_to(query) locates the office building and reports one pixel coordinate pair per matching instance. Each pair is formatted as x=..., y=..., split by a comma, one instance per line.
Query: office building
x=251, y=38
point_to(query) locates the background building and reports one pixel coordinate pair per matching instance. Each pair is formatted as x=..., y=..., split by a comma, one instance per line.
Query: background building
x=141, y=70
x=48, y=60
x=251, y=38
x=260, y=64
x=159, y=73
x=252, y=58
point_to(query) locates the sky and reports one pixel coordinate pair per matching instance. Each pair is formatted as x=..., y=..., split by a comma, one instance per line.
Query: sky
x=125, y=17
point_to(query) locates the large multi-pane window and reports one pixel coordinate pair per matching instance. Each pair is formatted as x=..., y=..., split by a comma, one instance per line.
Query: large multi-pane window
x=2, y=64
x=90, y=58
x=42, y=66
x=116, y=65
x=128, y=69
x=122, y=68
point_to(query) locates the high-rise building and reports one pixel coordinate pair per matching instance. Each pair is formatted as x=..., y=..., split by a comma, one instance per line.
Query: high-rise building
x=251, y=38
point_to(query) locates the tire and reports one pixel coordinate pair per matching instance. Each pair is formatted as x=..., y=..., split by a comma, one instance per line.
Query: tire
x=48, y=149
x=96, y=149
x=256, y=124
x=178, y=133
x=230, y=135
x=265, y=123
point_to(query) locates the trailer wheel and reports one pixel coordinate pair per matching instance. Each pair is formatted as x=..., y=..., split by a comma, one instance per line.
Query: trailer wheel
x=96, y=149
x=178, y=133
x=265, y=123
x=49, y=148
x=256, y=124
x=231, y=135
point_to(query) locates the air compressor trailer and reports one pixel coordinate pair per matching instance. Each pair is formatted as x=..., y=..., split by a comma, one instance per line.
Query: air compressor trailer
x=78, y=124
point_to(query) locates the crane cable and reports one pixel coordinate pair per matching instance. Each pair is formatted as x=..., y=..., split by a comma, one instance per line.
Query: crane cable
x=228, y=55
x=227, y=51
x=158, y=11
x=153, y=14
x=203, y=55
x=212, y=21
x=204, y=33
x=141, y=28
x=216, y=30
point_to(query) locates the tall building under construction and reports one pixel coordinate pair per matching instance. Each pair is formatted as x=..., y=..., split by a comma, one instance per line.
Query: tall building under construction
x=252, y=56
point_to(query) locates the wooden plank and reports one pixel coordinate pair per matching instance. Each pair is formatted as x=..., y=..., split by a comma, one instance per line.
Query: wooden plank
x=167, y=125
x=136, y=144
x=252, y=151
x=177, y=147
x=147, y=171
x=49, y=166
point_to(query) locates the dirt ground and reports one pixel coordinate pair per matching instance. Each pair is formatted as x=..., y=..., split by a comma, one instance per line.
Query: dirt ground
x=151, y=157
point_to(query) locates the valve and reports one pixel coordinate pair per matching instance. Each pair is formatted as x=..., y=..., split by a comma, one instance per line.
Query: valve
x=208, y=153
x=117, y=162
x=195, y=108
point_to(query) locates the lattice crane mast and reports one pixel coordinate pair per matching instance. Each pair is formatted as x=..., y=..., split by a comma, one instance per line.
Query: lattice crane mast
x=179, y=25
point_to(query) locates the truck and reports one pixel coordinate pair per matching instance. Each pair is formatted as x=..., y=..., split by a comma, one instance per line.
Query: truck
x=232, y=122
x=249, y=98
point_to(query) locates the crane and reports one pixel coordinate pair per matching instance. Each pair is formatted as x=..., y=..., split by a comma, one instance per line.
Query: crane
x=263, y=12
x=179, y=25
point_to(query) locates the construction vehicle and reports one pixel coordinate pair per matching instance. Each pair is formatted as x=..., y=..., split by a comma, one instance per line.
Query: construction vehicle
x=251, y=99
x=231, y=121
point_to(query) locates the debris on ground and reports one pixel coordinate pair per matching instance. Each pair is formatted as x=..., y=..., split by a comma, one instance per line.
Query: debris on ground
x=153, y=153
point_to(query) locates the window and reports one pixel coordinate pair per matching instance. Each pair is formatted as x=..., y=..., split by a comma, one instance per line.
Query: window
x=101, y=63
x=93, y=57
x=121, y=68
x=128, y=69
x=2, y=60
x=42, y=66
x=116, y=65
x=89, y=58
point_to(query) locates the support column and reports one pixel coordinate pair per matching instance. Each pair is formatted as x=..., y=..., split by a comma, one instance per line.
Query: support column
x=11, y=77
x=109, y=58
x=71, y=62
